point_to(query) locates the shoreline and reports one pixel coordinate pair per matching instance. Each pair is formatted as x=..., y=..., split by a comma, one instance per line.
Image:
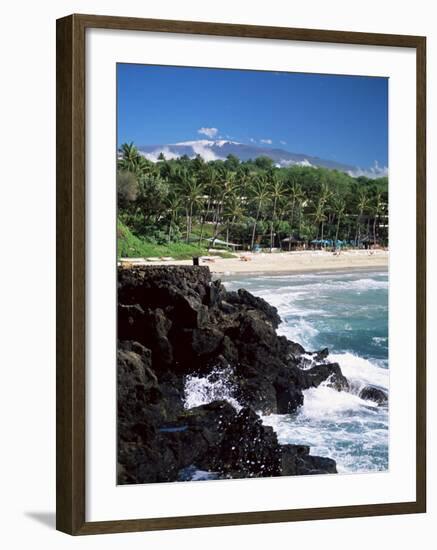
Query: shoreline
x=224, y=275
x=280, y=262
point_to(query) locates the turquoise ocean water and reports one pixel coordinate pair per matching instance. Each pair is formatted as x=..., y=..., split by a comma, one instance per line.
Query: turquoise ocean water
x=346, y=312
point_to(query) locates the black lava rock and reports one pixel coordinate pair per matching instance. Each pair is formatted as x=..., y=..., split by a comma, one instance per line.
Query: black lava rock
x=375, y=394
x=174, y=322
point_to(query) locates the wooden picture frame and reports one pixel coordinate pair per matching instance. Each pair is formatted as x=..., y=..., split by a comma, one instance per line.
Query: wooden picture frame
x=71, y=253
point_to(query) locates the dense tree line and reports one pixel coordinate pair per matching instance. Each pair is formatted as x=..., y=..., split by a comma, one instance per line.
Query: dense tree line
x=249, y=203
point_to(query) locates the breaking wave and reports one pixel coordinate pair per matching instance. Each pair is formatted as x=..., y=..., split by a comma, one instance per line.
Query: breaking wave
x=215, y=386
x=348, y=313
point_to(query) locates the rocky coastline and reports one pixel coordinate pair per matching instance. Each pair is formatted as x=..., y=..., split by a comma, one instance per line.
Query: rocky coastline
x=175, y=322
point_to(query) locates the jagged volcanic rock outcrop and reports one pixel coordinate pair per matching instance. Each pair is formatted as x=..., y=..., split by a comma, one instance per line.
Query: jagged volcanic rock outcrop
x=175, y=322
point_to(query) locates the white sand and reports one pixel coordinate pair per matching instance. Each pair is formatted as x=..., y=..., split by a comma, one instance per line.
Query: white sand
x=282, y=261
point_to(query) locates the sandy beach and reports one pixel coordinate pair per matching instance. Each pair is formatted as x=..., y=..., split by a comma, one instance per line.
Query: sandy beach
x=309, y=260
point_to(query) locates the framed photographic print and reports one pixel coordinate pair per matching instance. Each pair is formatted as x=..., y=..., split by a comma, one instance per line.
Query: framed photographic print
x=240, y=274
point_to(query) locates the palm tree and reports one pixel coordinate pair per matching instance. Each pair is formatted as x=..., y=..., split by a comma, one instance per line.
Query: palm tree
x=277, y=193
x=133, y=161
x=260, y=193
x=296, y=195
x=226, y=186
x=325, y=195
x=233, y=212
x=192, y=190
x=243, y=176
x=378, y=209
x=339, y=208
x=363, y=203
x=210, y=175
x=301, y=200
x=129, y=156
x=173, y=203
x=325, y=192
x=319, y=216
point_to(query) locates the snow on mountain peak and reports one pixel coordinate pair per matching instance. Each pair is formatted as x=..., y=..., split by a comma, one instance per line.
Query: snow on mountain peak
x=219, y=149
x=207, y=143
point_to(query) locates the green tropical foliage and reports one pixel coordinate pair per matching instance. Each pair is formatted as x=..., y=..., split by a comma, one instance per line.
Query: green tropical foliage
x=197, y=205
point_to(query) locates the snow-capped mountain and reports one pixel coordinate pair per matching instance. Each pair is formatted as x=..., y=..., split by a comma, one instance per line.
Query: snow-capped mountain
x=220, y=149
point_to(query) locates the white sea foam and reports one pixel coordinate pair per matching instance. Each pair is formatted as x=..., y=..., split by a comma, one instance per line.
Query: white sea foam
x=287, y=303
x=359, y=284
x=301, y=331
x=339, y=425
x=215, y=386
x=360, y=372
x=379, y=340
x=324, y=401
x=294, y=288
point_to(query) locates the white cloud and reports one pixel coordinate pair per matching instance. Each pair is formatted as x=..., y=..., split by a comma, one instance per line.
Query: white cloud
x=375, y=171
x=252, y=140
x=205, y=152
x=201, y=147
x=304, y=162
x=195, y=142
x=285, y=162
x=267, y=141
x=153, y=156
x=209, y=132
x=282, y=142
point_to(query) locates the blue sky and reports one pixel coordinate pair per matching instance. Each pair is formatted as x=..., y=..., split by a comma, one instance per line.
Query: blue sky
x=340, y=118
